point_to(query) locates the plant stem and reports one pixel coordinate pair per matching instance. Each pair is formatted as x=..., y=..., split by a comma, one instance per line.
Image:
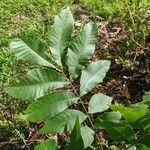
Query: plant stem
x=86, y=111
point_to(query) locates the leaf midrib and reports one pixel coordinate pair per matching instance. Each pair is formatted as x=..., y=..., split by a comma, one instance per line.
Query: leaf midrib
x=38, y=84
x=90, y=81
x=51, y=104
x=60, y=39
x=79, y=52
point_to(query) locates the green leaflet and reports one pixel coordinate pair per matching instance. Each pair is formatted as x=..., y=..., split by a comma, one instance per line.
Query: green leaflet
x=83, y=135
x=146, y=98
x=50, y=105
x=120, y=131
x=92, y=75
x=99, y=103
x=130, y=114
x=131, y=147
x=46, y=145
x=61, y=35
x=62, y=121
x=36, y=83
x=142, y=147
x=81, y=48
x=112, y=116
x=143, y=123
x=145, y=140
x=31, y=50
x=76, y=141
x=87, y=136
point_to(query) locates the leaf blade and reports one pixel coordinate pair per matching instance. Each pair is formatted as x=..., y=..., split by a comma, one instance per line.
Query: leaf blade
x=36, y=83
x=46, y=145
x=61, y=34
x=92, y=75
x=112, y=116
x=120, y=131
x=81, y=49
x=130, y=114
x=99, y=103
x=50, y=105
x=76, y=141
x=31, y=50
x=62, y=121
x=87, y=136
x=146, y=98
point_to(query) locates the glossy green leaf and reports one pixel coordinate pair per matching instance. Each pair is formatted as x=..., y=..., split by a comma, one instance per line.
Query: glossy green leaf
x=46, y=145
x=116, y=128
x=145, y=140
x=130, y=114
x=139, y=106
x=108, y=116
x=143, y=123
x=36, y=83
x=81, y=49
x=50, y=105
x=76, y=141
x=61, y=34
x=130, y=147
x=63, y=121
x=99, y=103
x=142, y=147
x=93, y=75
x=146, y=98
x=87, y=136
x=31, y=50
x=113, y=147
x=121, y=131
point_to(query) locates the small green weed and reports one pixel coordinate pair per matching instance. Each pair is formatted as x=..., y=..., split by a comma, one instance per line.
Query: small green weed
x=103, y=8
x=24, y=17
x=112, y=8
